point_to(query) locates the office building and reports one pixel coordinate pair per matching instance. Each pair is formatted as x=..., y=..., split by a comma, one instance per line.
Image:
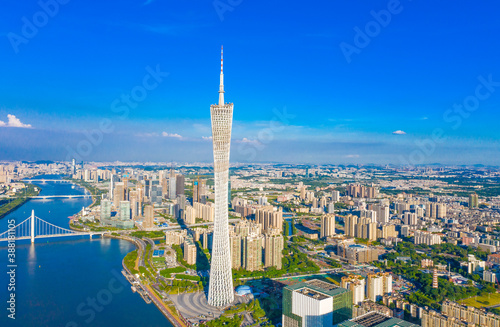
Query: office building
x=124, y=210
x=179, y=184
x=105, y=209
x=118, y=194
x=198, y=189
x=376, y=319
x=315, y=303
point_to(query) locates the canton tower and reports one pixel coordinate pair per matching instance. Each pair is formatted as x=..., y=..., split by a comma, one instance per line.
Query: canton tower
x=220, y=288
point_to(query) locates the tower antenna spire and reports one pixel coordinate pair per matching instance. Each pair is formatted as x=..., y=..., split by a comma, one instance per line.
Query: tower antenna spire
x=221, y=87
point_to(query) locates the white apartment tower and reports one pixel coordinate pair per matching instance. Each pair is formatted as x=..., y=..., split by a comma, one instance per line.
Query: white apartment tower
x=220, y=288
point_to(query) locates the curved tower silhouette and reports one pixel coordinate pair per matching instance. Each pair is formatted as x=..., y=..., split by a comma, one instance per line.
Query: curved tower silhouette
x=220, y=288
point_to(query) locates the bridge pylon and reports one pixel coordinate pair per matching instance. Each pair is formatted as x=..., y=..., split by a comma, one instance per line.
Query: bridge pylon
x=32, y=226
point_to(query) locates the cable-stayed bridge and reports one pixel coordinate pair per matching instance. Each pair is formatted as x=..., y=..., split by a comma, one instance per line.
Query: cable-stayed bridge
x=34, y=227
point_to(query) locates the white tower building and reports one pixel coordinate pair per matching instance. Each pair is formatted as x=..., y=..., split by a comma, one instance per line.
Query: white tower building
x=220, y=288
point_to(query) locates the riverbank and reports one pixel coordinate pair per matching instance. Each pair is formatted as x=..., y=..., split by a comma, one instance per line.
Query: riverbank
x=167, y=312
x=91, y=189
x=9, y=207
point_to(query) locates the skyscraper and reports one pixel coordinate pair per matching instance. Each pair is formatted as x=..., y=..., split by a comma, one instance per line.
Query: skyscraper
x=220, y=288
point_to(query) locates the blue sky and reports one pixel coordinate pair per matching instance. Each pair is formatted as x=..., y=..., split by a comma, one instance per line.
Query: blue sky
x=307, y=85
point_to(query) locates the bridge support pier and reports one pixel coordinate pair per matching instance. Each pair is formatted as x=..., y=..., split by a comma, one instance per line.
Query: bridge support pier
x=32, y=226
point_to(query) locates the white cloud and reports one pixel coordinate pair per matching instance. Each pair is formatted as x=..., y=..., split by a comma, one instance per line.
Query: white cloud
x=147, y=134
x=352, y=156
x=245, y=140
x=174, y=135
x=207, y=138
x=13, y=121
x=399, y=132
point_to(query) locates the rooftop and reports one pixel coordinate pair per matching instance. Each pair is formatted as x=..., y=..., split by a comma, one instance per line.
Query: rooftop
x=318, y=286
x=375, y=319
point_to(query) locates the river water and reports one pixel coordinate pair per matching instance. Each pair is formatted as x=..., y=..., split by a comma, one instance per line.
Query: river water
x=69, y=282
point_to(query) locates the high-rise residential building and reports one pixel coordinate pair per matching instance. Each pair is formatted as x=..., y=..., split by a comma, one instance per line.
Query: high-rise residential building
x=335, y=196
x=204, y=211
x=382, y=213
x=437, y=210
x=327, y=225
x=356, y=284
x=350, y=223
x=473, y=200
x=189, y=215
x=410, y=218
x=124, y=210
x=378, y=285
x=220, y=288
x=361, y=191
x=246, y=227
x=149, y=214
x=269, y=219
x=331, y=207
x=303, y=192
x=189, y=251
x=105, y=209
x=453, y=312
x=273, y=249
x=315, y=303
x=388, y=231
x=235, y=249
x=175, y=236
x=425, y=237
x=252, y=252
x=73, y=166
x=489, y=276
